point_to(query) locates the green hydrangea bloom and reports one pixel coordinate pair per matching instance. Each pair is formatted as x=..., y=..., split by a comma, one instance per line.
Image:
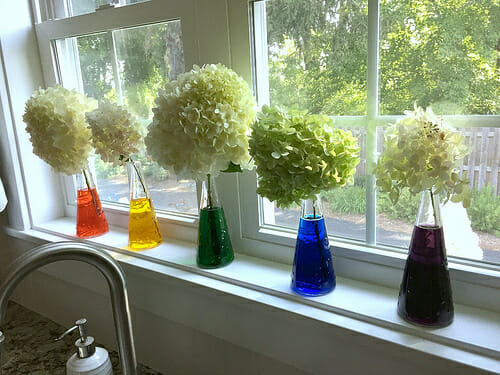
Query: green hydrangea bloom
x=201, y=122
x=422, y=153
x=299, y=155
x=55, y=121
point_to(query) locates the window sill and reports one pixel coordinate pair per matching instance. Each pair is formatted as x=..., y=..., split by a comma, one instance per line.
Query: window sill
x=357, y=306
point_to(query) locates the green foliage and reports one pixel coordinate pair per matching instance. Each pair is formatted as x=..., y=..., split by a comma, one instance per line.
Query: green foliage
x=352, y=200
x=405, y=209
x=148, y=57
x=317, y=55
x=153, y=170
x=484, y=211
x=346, y=200
x=105, y=170
x=440, y=53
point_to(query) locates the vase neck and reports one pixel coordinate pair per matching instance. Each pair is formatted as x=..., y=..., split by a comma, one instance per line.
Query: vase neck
x=85, y=179
x=209, y=196
x=429, y=210
x=137, y=184
x=311, y=209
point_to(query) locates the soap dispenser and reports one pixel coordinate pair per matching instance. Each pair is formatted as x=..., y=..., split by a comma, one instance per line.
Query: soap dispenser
x=88, y=360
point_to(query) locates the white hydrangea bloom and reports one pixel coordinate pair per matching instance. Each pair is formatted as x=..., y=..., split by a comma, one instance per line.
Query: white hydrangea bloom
x=58, y=131
x=116, y=134
x=421, y=153
x=201, y=122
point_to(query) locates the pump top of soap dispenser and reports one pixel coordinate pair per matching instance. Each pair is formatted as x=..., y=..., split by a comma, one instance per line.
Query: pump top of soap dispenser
x=85, y=344
x=88, y=359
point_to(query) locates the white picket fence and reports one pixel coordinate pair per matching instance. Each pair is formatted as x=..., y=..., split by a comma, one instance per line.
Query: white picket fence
x=482, y=164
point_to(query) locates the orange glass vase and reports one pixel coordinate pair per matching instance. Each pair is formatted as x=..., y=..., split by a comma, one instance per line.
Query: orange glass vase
x=90, y=218
x=143, y=228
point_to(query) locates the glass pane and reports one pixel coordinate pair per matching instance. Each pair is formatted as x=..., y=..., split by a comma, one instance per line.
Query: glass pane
x=472, y=233
x=344, y=208
x=129, y=66
x=311, y=55
x=440, y=53
x=78, y=7
x=316, y=55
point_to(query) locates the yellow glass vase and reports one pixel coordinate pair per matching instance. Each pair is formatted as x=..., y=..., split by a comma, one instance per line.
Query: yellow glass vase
x=143, y=228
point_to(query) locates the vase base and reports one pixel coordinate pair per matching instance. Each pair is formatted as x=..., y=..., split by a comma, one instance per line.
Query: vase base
x=422, y=322
x=143, y=245
x=309, y=292
x=223, y=263
x=90, y=235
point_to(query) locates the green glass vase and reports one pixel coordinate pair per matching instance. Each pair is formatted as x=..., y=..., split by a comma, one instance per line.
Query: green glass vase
x=214, y=245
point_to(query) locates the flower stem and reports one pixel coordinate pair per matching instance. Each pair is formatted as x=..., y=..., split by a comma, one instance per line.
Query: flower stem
x=318, y=240
x=94, y=200
x=433, y=207
x=209, y=191
x=143, y=185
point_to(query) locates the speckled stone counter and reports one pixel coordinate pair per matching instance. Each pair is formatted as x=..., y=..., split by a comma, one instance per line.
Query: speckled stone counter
x=30, y=347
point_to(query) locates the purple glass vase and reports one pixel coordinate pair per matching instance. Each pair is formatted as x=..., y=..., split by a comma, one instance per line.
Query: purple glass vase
x=425, y=296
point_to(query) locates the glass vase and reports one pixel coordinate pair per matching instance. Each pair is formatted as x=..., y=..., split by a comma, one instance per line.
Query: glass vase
x=90, y=218
x=214, y=245
x=313, y=273
x=425, y=296
x=143, y=228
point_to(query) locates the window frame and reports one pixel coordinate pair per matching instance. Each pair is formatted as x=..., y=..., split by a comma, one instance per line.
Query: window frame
x=199, y=48
x=252, y=221
x=230, y=44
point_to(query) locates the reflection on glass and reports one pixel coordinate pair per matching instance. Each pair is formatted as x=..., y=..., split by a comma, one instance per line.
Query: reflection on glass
x=439, y=54
x=129, y=66
x=78, y=7
x=472, y=233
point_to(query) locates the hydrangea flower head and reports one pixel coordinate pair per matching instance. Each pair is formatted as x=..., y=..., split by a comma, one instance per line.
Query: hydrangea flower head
x=201, y=122
x=299, y=155
x=422, y=153
x=116, y=134
x=55, y=121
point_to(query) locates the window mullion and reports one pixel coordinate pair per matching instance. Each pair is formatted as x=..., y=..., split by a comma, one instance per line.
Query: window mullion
x=372, y=109
x=116, y=67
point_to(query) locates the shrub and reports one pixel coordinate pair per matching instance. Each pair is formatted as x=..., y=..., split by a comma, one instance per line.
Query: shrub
x=484, y=211
x=153, y=170
x=405, y=209
x=350, y=199
x=105, y=170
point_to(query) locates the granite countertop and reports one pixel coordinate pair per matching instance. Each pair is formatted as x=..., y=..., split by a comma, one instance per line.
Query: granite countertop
x=30, y=347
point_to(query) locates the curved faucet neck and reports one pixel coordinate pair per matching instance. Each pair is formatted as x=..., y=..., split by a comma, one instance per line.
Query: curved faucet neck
x=46, y=254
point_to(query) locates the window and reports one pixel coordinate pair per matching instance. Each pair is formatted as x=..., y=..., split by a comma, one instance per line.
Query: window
x=128, y=66
x=124, y=54
x=364, y=63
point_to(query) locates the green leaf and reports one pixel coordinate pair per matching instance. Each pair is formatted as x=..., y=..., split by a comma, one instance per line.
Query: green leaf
x=233, y=168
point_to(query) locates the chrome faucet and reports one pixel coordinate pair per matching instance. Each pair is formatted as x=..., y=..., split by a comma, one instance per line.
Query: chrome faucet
x=45, y=254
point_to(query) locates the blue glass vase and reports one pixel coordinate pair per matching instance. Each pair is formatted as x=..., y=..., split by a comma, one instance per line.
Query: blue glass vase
x=313, y=273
